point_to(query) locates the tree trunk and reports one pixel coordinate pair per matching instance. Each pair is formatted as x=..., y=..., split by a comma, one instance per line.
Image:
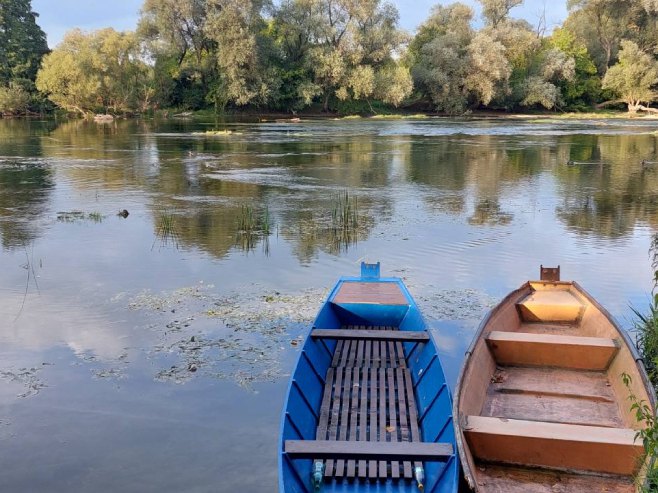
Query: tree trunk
x=325, y=106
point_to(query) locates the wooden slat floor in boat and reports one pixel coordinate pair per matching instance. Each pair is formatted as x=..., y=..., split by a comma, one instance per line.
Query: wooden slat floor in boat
x=554, y=329
x=368, y=396
x=552, y=395
x=500, y=479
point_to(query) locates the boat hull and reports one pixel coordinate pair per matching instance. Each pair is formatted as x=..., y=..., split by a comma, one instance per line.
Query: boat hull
x=541, y=399
x=367, y=303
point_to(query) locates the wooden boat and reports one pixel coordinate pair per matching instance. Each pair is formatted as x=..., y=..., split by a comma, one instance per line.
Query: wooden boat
x=540, y=402
x=368, y=409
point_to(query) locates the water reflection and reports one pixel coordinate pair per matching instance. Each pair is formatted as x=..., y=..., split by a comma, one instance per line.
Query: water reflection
x=180, y=313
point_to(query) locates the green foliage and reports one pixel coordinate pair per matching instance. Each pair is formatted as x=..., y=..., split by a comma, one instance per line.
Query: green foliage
x=95, y=72
x=634, y=76
x=22, y=42
x=585, y=86
x=646, y=329
x=648, y=433
x=292, y=54
x=14, y=99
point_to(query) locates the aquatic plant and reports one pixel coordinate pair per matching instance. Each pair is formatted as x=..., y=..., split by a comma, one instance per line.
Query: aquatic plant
x=96, y=217
x=166, y=230
x=344, y=212
x=251, y=227
x=646, y=324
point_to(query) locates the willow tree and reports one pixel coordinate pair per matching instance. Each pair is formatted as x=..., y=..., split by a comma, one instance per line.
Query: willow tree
x=99, y=71
x=342, y=49
x=633, y=77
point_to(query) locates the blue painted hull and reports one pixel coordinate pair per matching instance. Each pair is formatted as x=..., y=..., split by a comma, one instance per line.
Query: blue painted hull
x=433, y=399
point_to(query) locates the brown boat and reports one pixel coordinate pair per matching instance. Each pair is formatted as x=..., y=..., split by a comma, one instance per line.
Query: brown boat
x=540, y=405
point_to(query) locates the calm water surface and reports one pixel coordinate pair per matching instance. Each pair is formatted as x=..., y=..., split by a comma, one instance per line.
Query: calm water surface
x=151, y=352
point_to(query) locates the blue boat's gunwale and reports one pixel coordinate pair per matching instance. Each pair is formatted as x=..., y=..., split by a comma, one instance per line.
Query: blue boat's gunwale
x=447, y=480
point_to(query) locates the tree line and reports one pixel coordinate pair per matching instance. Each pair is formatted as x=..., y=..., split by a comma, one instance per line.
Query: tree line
x=334, y=55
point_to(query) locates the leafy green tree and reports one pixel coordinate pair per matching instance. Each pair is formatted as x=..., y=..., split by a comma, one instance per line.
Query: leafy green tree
x=497, y=11
x=174, y=34
x=14, y=99
x=439, y=56
x=22, y=42
x=584, y=88
x=100, y=71
x=245, y=74
x=633, y=77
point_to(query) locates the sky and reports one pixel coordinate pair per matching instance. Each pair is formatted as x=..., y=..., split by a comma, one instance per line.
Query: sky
x=58, y=16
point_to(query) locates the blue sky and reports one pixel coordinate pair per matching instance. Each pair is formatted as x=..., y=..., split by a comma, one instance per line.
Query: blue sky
x=58, y=16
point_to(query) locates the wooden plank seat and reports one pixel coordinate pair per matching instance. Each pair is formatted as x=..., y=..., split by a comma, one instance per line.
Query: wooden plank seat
x=322, y=449
x=368, y=403
x=558, y=306
x=558, y=351
x=371, y=335
x=554, y=445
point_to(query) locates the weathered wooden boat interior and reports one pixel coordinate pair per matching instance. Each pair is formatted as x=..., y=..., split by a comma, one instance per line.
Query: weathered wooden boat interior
x=541, y=402
x=368, y=392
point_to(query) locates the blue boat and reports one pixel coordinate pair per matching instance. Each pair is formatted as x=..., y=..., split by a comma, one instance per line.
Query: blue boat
x=368, y=408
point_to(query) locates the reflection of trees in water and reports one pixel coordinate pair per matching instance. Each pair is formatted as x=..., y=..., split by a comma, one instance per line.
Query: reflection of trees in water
x=209, y=190
x=611, y=191
x=25, y=182
x=457, y=166
x=24, y=194
x=489, y=213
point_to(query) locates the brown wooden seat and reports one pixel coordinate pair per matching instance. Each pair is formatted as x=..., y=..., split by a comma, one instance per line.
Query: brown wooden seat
x=554, y=445
x=551, y=306
x=559, y=351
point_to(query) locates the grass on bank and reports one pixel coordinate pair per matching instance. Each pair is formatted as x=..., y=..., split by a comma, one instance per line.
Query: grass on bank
x=646, y=332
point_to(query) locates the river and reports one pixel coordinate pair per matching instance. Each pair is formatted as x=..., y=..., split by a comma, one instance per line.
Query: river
x=151, y=351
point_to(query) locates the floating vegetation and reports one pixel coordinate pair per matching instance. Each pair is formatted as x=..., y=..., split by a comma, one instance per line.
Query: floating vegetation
x=418, y=116
x=77, y=216
x=218, y=133
x=166, y=230
x=28, y=378
x=241, y=336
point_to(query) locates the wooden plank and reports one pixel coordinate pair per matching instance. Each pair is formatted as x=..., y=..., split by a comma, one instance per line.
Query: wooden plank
x=380, y=293
x=423, y=451
x=344, y=417
x=363, y=417
x=334, y=417
x=354, y=416
x=527, y=349
x=382, y=417
x=351, y=357
x=373, y=430
x=405, y=434
x=338, y=350
x=373, y=335
x=392, y=418
x=558, y=305
x=376, y=358
x=413, y=410
x=554, y=445
x=402, y=362
x=556, y=382
x=345, y=353
x=325, y=407
x=367, y=352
